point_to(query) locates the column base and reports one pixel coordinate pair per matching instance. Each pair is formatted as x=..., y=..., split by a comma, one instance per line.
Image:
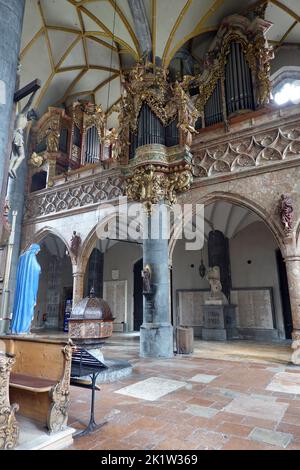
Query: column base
x=156, y=340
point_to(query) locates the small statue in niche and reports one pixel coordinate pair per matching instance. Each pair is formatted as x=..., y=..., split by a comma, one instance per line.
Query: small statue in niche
x=52, y=137
x=286, y=212
x=18, y=152
x=213, y=278
x=75, y=244
x=147, y=275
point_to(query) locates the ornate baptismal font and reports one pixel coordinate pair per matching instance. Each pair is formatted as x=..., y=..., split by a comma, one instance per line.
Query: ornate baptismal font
x=91, y=320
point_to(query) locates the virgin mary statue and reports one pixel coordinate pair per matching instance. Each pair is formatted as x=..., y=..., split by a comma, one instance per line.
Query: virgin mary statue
x=26, y=291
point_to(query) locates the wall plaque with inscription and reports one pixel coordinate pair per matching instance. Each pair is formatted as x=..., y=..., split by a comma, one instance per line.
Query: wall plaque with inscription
x=254, y=307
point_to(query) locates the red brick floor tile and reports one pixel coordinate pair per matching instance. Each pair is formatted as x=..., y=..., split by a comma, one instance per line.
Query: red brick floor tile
x=289, y=428
x=236, y=443
x=259, y=423
x=233, y=429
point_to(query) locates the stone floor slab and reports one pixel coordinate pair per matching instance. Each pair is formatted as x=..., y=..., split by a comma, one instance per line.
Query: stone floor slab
x=285, y=382
x=279, y=439
x=203, y=411
x=257, y=408
x=151, y=389
x=203, y=378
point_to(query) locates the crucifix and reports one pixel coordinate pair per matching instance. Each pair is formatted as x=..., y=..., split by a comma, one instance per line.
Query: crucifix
x=23, y=117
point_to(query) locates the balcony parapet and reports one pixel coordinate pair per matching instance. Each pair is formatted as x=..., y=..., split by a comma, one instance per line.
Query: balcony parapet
x=258, y=139
x=81, y=188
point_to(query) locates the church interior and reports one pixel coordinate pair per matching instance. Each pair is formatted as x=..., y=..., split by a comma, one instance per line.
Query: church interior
x=150, y=225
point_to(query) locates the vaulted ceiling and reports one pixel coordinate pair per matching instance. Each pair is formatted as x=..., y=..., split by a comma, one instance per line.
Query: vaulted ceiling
x=78, y=48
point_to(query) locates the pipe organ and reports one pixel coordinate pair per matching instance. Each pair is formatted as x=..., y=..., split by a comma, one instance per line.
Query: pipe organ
x=156, y=113
x=236, y=70
x=92, y=146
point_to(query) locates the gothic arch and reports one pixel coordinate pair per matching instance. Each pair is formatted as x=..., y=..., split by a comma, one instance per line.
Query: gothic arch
x=238, y=200
x=43, y=233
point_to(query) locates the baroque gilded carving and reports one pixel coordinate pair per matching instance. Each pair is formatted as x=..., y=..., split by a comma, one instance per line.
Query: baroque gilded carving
x=9, y=428
x=249, y=151
x=151, y=184
x=258, y=53
x=60, y=396
x=36, y=160
x=148, y=84
x=74, y=196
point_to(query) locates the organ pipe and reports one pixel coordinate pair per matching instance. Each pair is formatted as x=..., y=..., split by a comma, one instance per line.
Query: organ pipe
x=238, y=81
x=93, y=147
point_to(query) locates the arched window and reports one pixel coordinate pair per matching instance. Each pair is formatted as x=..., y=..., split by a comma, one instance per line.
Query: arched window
x=287, y=91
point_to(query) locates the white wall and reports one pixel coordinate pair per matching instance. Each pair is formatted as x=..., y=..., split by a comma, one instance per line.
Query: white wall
x=122, y=257
x=256, y=243
x=184, y=276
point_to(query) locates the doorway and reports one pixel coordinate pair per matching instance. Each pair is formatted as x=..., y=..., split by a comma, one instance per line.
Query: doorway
x=138, y=296
x=285, y=296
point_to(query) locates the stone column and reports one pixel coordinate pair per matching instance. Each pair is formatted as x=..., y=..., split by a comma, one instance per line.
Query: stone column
x=78, y=286
x=11, y=21
x=156, y=338
x=293, y=274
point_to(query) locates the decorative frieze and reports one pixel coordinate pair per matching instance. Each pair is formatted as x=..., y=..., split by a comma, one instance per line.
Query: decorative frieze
x=73, y=196
x=248, y=151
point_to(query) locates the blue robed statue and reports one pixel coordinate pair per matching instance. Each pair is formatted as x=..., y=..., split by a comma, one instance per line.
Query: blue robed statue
x=26, y=291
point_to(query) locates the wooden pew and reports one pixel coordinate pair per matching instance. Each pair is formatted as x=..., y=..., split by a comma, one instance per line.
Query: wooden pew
x=40, y=379
x=9, y=428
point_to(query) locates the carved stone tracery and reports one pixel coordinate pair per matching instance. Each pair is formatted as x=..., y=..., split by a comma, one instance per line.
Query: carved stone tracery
x=74, y=196
x=244, y=152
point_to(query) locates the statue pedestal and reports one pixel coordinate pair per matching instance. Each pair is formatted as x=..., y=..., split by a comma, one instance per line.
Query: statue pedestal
x=219, y=322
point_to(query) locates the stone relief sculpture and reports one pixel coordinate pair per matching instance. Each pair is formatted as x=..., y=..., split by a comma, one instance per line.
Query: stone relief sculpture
x=147, y=275
x=286, y=212
x=216, y=294
x=26, y=291
x=18, y=151
x=75, y=244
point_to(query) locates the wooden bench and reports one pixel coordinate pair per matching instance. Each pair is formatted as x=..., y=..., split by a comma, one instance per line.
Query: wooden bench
x=40, y=379
x=9, y=428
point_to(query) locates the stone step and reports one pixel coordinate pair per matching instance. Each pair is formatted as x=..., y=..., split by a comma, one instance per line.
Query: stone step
x=34, y=437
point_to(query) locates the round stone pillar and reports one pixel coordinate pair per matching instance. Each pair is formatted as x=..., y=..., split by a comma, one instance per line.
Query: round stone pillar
x=156, y=334
x=78, y=286
x=11, y=22
x=293, y=274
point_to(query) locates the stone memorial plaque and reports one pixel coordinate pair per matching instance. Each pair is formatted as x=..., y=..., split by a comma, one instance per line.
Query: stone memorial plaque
x=254, y=308
x=115, y=294
x=190, y=307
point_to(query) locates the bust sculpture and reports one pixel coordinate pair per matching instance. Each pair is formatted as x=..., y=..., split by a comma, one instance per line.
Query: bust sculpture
x=216, y=294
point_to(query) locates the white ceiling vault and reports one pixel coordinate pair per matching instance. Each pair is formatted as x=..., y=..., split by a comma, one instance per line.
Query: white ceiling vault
x=78, y=48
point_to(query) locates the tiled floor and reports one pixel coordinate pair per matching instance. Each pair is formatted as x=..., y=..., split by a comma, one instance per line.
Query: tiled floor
x=239, y=396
